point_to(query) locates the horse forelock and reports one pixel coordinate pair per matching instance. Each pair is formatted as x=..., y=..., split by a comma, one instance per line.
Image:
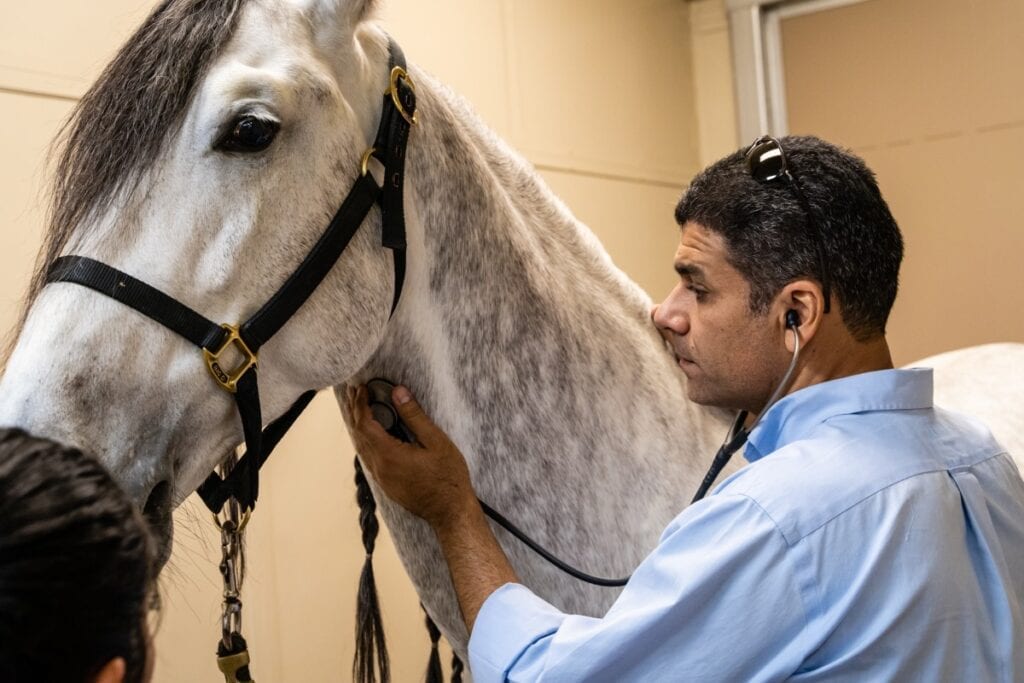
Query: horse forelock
x=126, y=120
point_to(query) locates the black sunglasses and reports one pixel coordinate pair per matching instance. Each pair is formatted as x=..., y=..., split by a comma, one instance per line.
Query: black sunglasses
x=767, y=162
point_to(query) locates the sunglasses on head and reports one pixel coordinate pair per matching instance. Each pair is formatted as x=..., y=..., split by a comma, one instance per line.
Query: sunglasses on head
x=766, y=162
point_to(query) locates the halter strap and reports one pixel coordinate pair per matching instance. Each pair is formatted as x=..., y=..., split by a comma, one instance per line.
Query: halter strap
x=268, y=321
x=147, y=300
x=397, y=117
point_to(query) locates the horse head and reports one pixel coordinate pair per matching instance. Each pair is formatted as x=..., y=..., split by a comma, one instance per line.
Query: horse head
x=206, y=161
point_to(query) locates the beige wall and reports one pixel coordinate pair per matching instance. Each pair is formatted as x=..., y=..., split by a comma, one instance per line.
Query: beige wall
x=617, y=146
x=929, y=93
x=713, y=96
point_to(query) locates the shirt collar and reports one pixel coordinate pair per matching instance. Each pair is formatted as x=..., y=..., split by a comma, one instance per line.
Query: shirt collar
x=795, y=415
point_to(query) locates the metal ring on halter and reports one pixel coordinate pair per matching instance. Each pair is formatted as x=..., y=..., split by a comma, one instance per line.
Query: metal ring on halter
x=397, y=74
x=364, y=165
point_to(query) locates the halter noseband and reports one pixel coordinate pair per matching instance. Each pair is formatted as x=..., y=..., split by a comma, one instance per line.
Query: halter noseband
x=242, y=483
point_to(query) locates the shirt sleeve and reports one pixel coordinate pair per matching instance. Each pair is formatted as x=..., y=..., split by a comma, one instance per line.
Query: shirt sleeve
x=716, y=600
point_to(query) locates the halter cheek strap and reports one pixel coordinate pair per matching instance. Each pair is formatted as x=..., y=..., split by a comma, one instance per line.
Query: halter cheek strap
x=397, y=118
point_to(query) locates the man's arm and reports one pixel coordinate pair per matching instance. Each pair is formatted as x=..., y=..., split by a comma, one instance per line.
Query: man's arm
x=477, y=563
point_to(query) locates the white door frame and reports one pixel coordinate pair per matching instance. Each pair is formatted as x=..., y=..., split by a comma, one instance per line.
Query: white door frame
x=758, y=69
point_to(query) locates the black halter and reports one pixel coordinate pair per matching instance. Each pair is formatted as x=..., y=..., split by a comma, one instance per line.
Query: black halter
x=397, y=118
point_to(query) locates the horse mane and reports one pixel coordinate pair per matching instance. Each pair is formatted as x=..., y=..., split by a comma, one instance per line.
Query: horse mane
x=127, y=118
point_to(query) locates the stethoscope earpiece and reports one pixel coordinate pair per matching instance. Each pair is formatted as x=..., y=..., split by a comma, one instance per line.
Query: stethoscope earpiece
x=792, y=319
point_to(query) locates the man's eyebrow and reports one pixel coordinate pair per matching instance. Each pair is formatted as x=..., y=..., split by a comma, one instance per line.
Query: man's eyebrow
x=689, y=270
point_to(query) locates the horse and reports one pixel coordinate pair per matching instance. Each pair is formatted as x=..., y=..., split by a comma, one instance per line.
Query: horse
x=986, y=381
x=514, y=329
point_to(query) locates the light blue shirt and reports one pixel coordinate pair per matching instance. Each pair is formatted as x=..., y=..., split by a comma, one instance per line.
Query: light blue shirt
x=872, y=537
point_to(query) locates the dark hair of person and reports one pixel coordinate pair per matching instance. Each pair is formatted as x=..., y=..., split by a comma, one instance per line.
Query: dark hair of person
x=76, y=566
x=771, y=244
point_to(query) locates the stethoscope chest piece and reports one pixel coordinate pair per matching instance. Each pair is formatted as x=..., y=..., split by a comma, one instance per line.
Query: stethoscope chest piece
x=383, y=410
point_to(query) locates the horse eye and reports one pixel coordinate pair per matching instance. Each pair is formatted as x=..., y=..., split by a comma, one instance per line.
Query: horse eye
x=250, y=134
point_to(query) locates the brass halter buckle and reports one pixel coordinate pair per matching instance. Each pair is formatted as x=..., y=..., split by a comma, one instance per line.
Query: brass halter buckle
x=397, y=74
x=228, y=379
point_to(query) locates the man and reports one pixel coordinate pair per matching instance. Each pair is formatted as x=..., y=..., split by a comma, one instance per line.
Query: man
x=871, y=537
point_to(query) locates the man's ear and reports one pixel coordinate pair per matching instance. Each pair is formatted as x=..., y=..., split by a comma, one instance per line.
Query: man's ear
x=805, y=298
x=112, y=672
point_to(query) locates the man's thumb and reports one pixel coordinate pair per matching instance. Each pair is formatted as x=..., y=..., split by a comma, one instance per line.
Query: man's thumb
x=412, y=414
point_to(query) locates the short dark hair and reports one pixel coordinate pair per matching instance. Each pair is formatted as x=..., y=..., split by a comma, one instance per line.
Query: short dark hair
x=76, y=566
x=771, y=244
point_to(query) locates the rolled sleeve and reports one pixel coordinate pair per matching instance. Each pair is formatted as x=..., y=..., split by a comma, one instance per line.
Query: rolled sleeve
x=510, y=621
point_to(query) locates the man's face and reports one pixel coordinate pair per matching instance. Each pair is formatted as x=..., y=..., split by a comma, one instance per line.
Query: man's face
x=731, y=356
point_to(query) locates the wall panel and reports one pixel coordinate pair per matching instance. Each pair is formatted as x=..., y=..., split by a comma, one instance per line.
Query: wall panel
x=606, y=86
x=26, y=126
x=927, y=92
x=713, y=86
x=60, y=47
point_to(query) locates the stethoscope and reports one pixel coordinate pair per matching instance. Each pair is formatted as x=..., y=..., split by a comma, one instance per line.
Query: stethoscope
x=384, y=412
x=737, y=435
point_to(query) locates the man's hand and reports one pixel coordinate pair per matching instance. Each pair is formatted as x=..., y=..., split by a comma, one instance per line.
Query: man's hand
x=431, y=481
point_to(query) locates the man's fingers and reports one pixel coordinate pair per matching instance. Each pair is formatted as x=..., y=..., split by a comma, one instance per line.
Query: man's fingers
x=376, y=447
x=370, y=438
x=358, y=406
x=356, y=401
x=422, y=427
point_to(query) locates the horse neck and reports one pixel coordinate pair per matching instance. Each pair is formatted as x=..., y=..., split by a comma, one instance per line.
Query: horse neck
x=515, y=329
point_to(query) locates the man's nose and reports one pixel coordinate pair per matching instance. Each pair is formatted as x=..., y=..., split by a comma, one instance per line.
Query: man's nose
x=665, y=333
x=669, y=318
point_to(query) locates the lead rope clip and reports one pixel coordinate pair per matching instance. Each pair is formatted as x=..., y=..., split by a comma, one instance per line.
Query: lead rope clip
x=232, y=650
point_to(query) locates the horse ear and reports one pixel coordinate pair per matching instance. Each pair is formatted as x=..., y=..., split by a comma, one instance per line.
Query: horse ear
x=361, y=10
x=354, y=12
x=346, y=13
